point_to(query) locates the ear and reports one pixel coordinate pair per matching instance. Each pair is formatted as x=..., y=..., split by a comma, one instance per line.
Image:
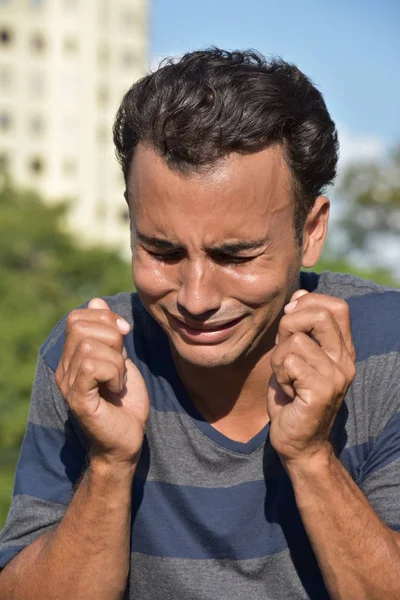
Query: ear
x=315, y=231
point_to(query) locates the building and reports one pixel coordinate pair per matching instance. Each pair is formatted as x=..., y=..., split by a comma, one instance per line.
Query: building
x=64, y=67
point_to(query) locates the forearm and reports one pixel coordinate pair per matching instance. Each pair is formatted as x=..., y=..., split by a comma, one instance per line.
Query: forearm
x=359, y=556
x=87, y=555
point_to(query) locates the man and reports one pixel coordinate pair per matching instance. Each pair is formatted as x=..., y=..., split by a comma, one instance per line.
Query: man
x=209, y=437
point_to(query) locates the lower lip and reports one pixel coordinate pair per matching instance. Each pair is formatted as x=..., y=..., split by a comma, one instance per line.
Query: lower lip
x=202, y=336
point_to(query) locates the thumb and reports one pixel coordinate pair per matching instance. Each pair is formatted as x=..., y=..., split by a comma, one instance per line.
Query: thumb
x=98, y=303
x=136, y=393
x=298, y=294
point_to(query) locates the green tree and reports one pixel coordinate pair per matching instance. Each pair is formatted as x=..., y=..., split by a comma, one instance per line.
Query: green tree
x=44, y=273
x=370, y=194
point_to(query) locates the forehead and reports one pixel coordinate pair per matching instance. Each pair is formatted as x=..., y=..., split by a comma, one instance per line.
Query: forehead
x=235, y=191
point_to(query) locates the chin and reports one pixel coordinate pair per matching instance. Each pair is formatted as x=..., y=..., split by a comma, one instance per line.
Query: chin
x=209, y=356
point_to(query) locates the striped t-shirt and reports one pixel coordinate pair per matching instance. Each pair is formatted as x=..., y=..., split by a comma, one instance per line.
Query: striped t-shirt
x=215, y=518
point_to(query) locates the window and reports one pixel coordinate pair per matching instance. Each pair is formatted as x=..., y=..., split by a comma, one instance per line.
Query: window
x=38, y=43
x=128, y=18
x=102, y=95
x=36, y=165
x=127, y=59
x=36, y=125
x=5, y=79
x=6, y=36
x=69, y=167
x=70, y=45
x=5, y=121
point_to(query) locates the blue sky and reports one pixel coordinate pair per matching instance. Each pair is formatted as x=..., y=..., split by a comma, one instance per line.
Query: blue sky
x=351, y=50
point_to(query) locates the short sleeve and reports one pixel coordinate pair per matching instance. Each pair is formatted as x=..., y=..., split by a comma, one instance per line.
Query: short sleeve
x=380, y=473
x=51, y=462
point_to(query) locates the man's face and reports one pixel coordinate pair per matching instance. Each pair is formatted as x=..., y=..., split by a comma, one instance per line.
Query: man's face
x=215, y=258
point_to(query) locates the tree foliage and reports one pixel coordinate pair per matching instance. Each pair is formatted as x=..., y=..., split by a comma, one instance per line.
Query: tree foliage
x=371, y=218
x=44, y=273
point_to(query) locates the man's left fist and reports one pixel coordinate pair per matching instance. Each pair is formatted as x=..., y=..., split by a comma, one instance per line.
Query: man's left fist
x=313, y=367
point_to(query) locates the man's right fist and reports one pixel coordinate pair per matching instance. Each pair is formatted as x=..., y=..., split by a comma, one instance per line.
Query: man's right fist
x=102, y=387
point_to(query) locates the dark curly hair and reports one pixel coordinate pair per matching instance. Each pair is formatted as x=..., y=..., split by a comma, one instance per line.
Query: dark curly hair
x=213, y=102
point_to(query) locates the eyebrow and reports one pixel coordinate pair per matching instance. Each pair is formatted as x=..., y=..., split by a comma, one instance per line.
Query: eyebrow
x=156, y=242
x=233, y=247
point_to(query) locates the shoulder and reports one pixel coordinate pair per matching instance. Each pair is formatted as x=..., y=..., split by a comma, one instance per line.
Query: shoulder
x=374, y=312
x=124, y=304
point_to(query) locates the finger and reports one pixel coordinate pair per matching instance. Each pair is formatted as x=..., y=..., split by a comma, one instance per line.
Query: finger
x=318, y=323
x=336, y=306
x=337, y=376
x=82, y=330
x=99, y=315
x=91, y=373
x=98, y=352
x=298, y=294
x=305, y=347
x=90, y=331
x=306, y=382
x=98, y=304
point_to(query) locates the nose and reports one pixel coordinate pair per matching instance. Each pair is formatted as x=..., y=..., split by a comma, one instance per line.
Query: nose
x=199, y=295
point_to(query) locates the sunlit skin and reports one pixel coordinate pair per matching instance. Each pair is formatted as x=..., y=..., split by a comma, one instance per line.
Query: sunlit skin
x=215, y=260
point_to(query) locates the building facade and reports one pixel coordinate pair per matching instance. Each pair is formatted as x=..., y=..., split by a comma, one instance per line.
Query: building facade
x=64, y=67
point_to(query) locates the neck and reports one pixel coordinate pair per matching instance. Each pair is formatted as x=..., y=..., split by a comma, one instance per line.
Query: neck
x=232, y=398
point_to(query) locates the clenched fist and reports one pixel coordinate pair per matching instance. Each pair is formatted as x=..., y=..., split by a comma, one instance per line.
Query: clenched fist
x=102, y=387
x=313, y=366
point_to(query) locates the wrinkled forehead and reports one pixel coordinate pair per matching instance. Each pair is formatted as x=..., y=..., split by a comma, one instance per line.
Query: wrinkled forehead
x=234, y=181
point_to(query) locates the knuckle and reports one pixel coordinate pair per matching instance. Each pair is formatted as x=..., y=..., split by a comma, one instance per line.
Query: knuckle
x=86, y=346
x=88, y=366
x=289, y=360
x=71, y=318
x=298, y=338
x=106, y=317
x=342, y=306
x=323, y=316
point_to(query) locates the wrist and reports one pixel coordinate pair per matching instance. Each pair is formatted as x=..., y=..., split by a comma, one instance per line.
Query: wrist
x=110, y=469
x=312, y=463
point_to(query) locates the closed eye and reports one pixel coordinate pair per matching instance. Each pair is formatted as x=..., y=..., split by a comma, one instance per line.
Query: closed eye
x=234, y=260
x=168, y=257
x=220, y=258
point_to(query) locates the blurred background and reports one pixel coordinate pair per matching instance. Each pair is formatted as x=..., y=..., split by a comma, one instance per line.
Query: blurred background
x=64, y=66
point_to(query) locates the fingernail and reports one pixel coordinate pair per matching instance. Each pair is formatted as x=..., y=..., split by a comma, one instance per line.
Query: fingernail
x=290, y=307
x=123, y=326
x=277, y=339
x=125, y=378
x=298, y=294
x=124, y=353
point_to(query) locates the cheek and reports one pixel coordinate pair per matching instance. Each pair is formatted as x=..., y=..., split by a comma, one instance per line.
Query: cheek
x=258, y=288
x=150, y=279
